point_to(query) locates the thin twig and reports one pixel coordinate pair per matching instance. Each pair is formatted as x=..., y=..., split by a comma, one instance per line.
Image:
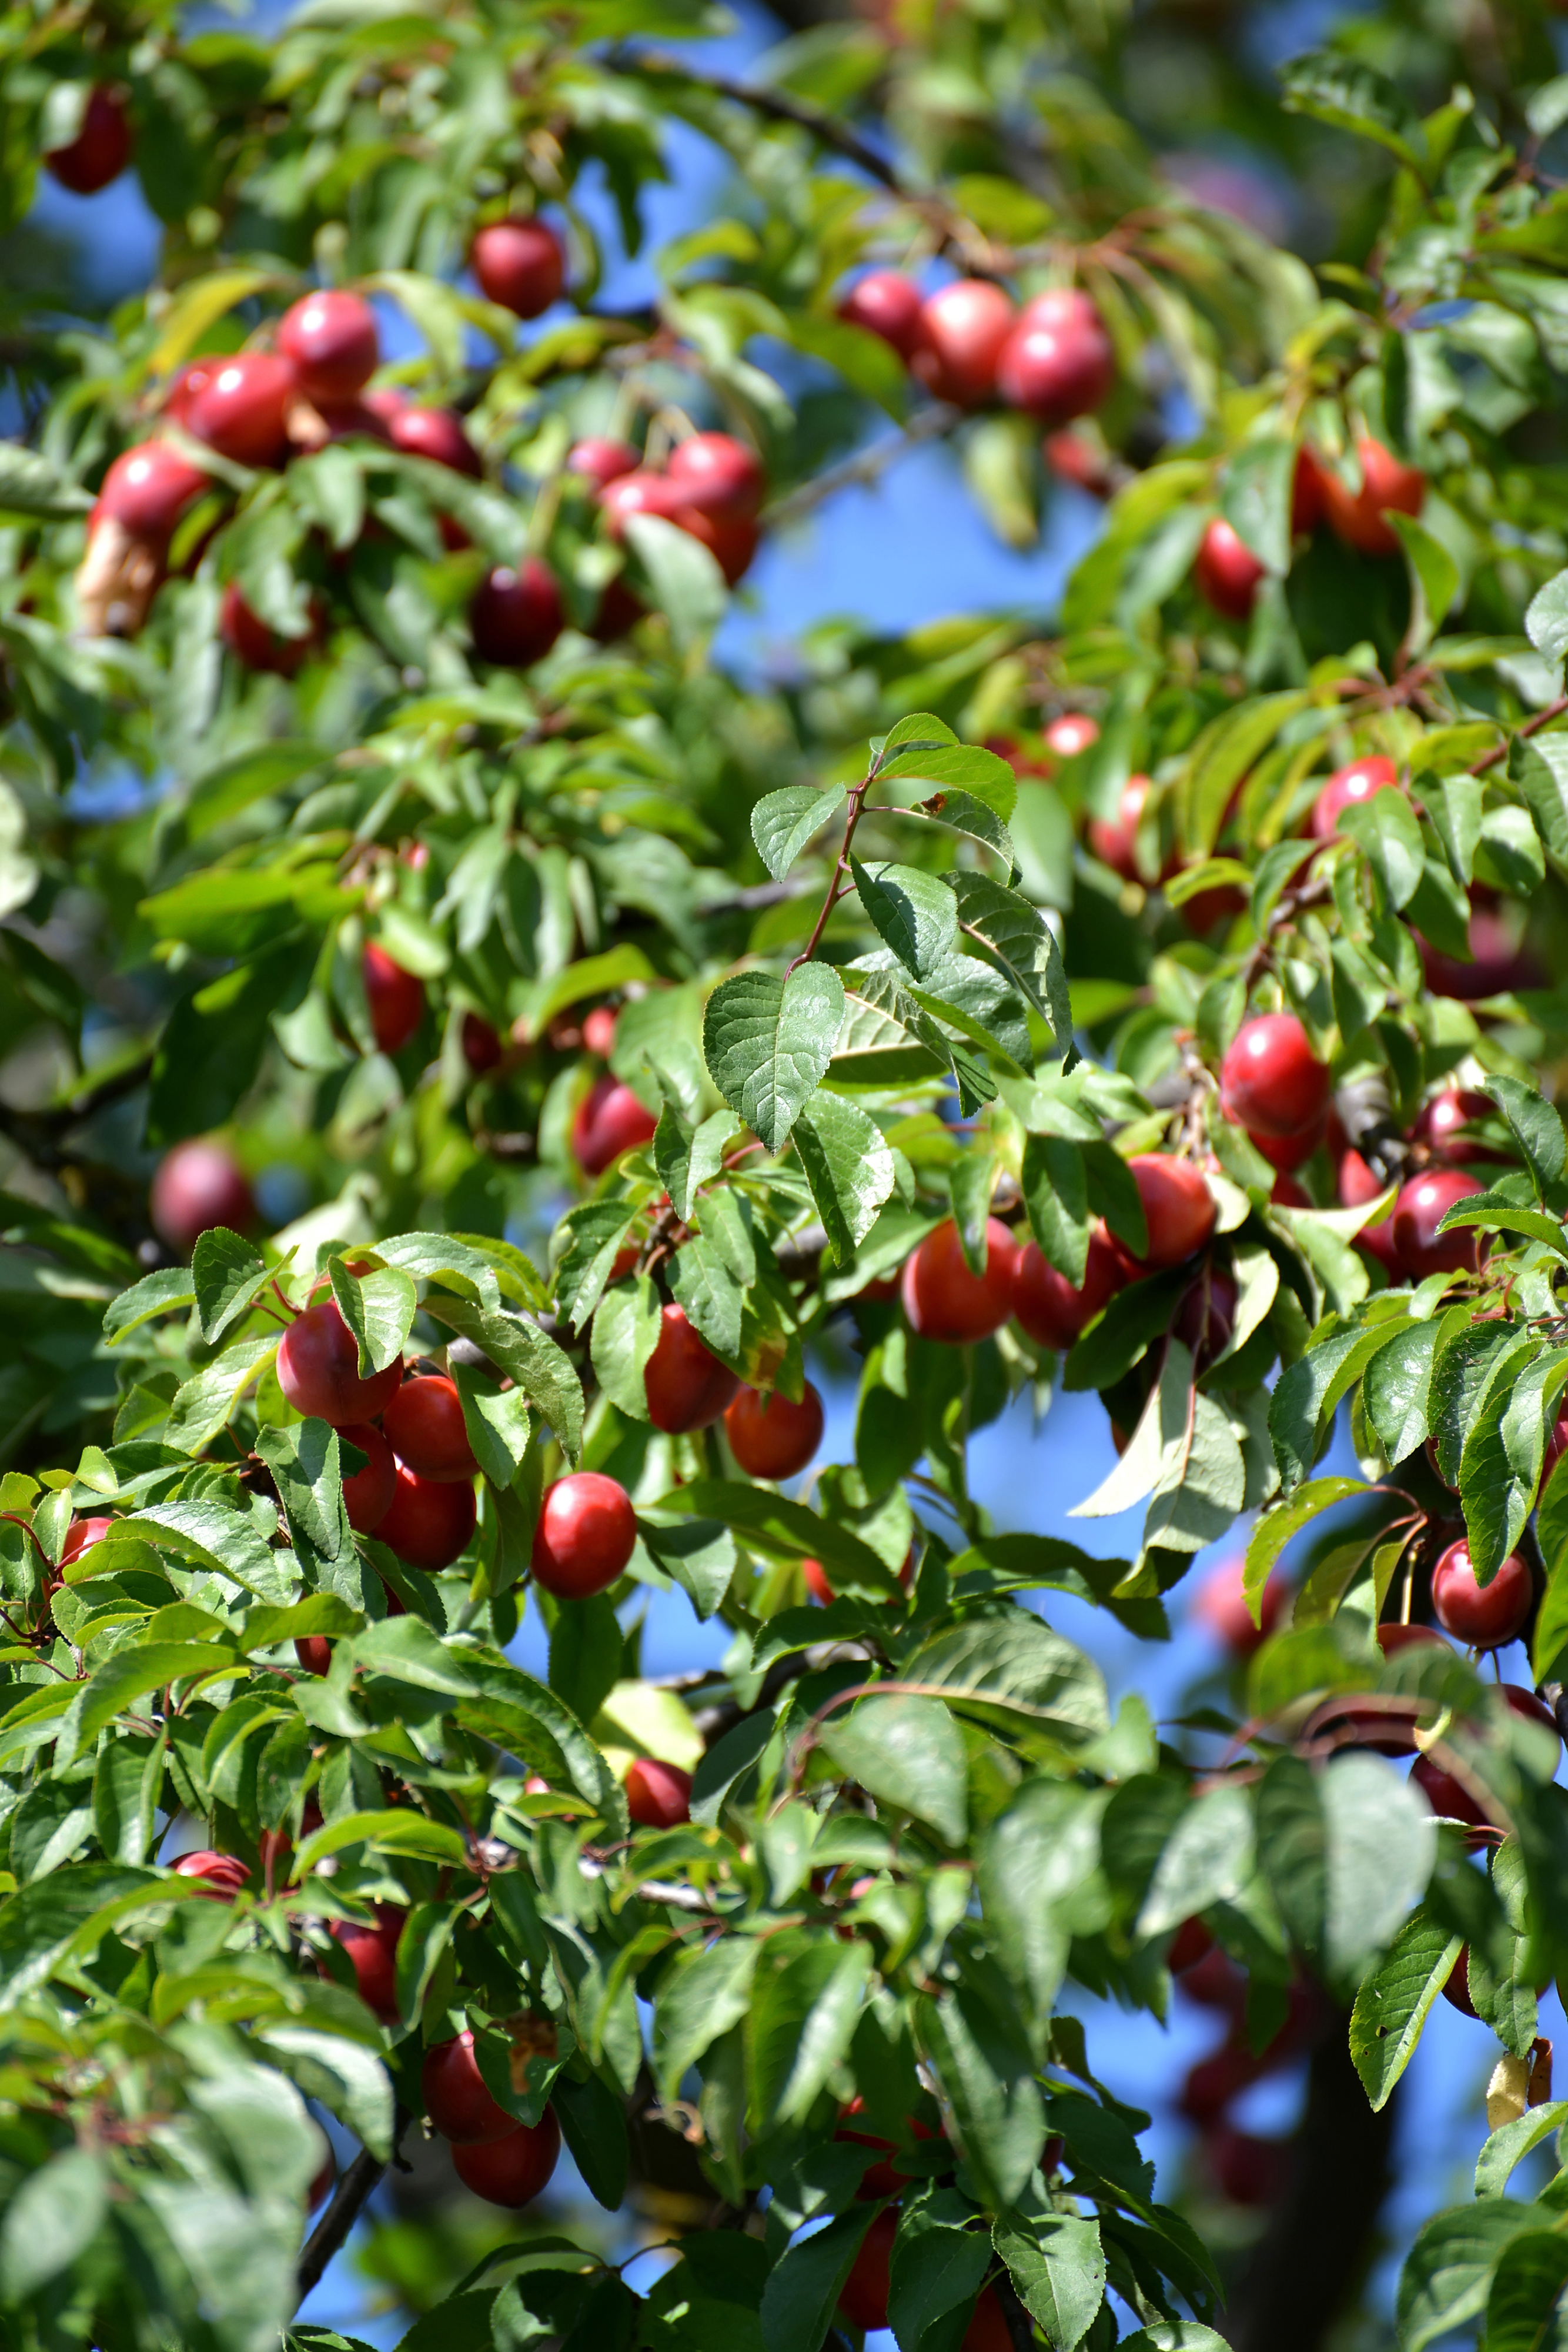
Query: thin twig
x=775, y=104
x=347, y=2201
x=865, y=467
x=1531, y=727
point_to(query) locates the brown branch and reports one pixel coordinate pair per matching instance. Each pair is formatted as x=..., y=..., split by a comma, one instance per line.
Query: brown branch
x=865, y=468
x=857, y=802
x=1531, y=727
x=349, y=2198
x=774, y=104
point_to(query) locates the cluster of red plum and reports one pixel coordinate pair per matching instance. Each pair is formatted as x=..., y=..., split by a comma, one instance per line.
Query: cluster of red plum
x=970, y=344
x=308, y=389
x=493, y=2153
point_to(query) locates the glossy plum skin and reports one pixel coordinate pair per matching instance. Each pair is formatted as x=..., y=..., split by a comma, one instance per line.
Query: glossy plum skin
x=1226, y=573
x=395, y=997
x=610, y=1121
x=586, y=1533
x=519, y=264
x=436, y=434
x=1046, y=1304
x=318, y=1370
x=945, y=1301
x=330, y=340
x=428, y=1521
x=1441, y=1121
x=147, y=489
x=82, y=1535
x=1487, y=1616
x=515, y=617
x=1347, y=788
x=456, y=2098
x=717, y=475
x=374, y=1953
x=426, y=1428
x=224, y=1874
x=512, y=2170
x=1270, y=1081
x=602, y=461
x=1388, y=487
x=686, y=1386
x=1057, y=361
x=772, y=1438
x=1418, y=1213
x=1113, y=839
x=368, y=1493
x=199, y=1185
x=1222, y=1605
x=1448, y=1798
x=1178, y=1208
x=100, y=150
x=658, y=1795
x=885, y=303
x=240, y=406
x=962, y=328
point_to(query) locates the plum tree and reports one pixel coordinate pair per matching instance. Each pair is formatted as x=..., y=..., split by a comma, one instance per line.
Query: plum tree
x=472, y=1028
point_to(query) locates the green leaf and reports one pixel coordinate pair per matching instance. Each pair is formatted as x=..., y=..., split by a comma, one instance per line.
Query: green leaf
x=1448, y=2272
x=171, y=1288
x=982, y=775
x=379, y=1309
x=1385, y=829
x=705, y=1992
x=1393, y=2002
x=699, y=1554
x=1036, y=1867
x=1499, y=1472
x=1341, y=90
x=1510, y=2145
x=1024, y=947
x=348, y=2078
x=683, y=578
x=54, y=2217
x=712, y=1297
x=1174, y=2335
x=129, y=1674
x=227, y=1274
x=204, y=1404
x=909, y=1753
x=849, y=1166
x=1538, y=1131
x=936, y=2268
x=989, y=2081
x=913, y=912
x=1209, y=1859
x=1282, y=1525
x=1255, y=499
x=1546, y=620
x=1522, y=2306
x=1381, y=1840
x=1308, y=1391
x=1056, y=1194
x=1434, y=574
x=542, y=1371
x=1057, y=2265
x=782, y=822
x=806, y=2001
x=1011, y=1669
x=497, y=1421
x=626, y=1328
x=305, y=1462
x=688, y=1159
x=767, y=1043
x=585, y=1649
x=804, y=2285
x=33, y=484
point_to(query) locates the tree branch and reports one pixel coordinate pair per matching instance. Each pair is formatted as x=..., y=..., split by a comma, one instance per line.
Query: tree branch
x=865, y=468
x=1020, y=2326
x=775, y=104
x=349, y=2198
